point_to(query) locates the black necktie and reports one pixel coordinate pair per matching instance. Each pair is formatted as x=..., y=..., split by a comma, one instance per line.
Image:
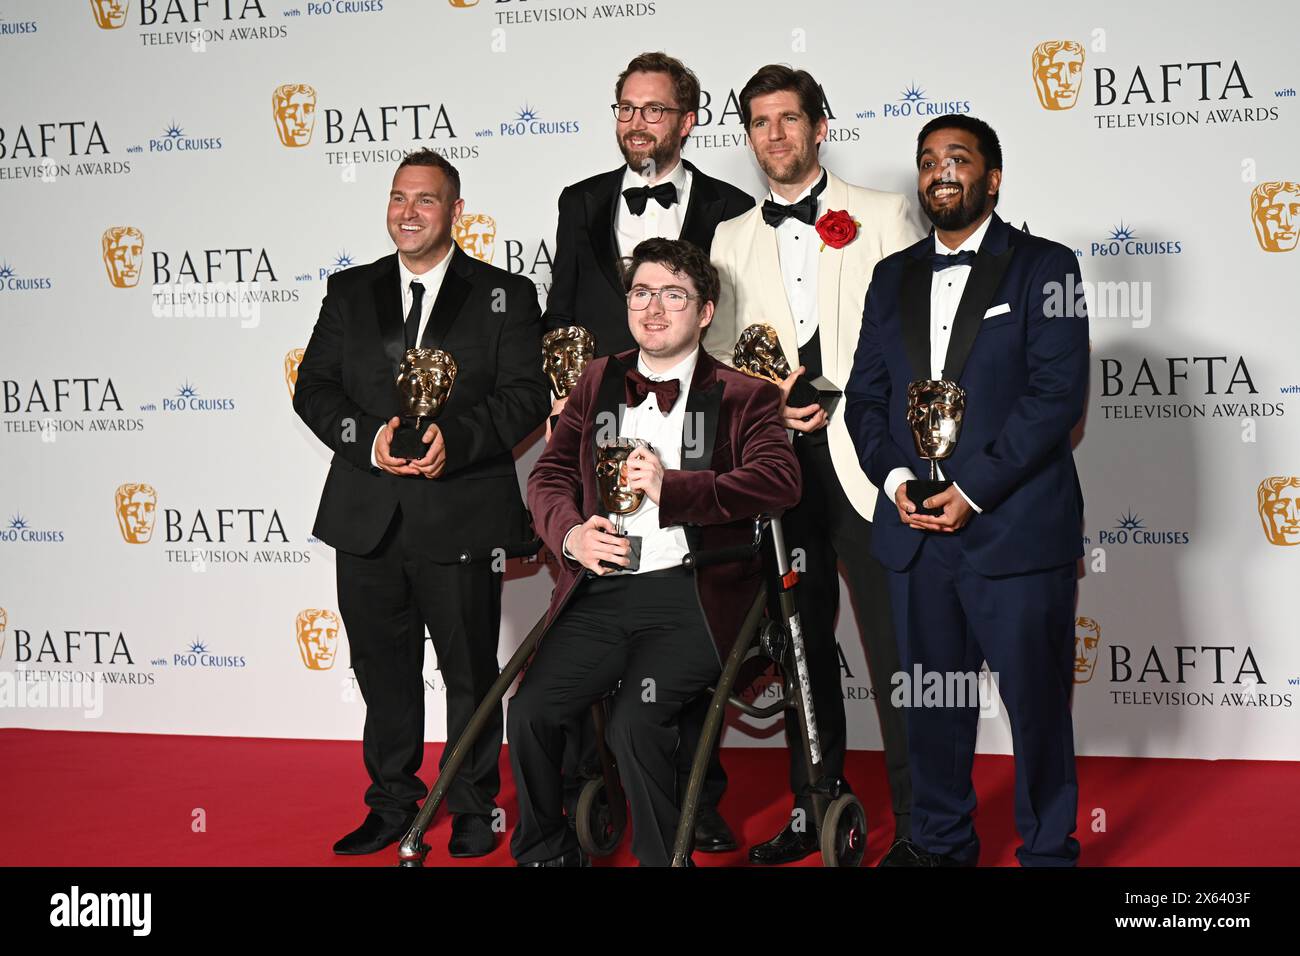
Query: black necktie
x=638, y=387
x=413, y=317
x=805, y=210
x=665, y=194
x=939, y=261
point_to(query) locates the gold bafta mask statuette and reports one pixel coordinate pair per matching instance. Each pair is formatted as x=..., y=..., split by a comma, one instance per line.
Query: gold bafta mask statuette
x=565, y=354
x=935, y=409
x=424, y=382
x=619, y=500
x=758, y=353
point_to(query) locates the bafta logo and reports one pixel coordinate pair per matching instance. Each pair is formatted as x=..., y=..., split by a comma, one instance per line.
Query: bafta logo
x=123, y=250
x=1058, y=73
x=294, y=105
x=318, y=638
x=1279, y=509
x=136, y=507
x=462, y=4
x=476, y=234
x=292, y=359
x=109, y=14
x=1275, y=211
x=1087, y=641
x=4, y=622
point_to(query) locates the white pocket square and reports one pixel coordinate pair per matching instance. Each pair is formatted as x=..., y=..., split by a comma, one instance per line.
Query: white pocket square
x=1002, y=309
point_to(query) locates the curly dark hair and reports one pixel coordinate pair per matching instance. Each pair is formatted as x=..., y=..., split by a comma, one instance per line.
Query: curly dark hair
x=679, y=257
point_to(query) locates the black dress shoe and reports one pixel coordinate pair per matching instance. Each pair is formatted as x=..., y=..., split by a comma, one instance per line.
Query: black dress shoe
x=574, y=857
x=372, y=836
x=712, y=835
x=905, y=853
x=943, y=859
x=786, y=847
x=471, y=835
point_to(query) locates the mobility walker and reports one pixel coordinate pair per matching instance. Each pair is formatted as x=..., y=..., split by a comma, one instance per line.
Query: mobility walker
x=601, y=815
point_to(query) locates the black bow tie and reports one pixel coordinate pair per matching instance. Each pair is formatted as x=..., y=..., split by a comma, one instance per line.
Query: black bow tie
x=665, y=194
x=805, y=210
x=939, y=261
x=638, y=387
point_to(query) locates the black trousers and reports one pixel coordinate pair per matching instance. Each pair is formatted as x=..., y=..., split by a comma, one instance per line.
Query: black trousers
x=644, y=638
x=829, y=531
x=387, y=599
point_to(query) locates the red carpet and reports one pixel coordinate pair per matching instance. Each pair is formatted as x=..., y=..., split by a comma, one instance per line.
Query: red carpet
x=90, y=799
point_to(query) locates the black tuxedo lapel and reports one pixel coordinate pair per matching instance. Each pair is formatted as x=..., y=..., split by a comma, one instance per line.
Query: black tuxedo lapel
x=611, y=400
x=703, y=212
x=452, y=294
x=914, y=306
x=601, y=207
x=388, y=312
x=985, y=277
x=703, y=409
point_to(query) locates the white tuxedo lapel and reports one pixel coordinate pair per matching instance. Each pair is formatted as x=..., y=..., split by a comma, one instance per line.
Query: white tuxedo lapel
x=830, y=263
x=771, y=290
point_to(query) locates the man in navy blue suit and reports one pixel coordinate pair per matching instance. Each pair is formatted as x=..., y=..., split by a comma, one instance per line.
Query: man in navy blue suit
x=992, y=576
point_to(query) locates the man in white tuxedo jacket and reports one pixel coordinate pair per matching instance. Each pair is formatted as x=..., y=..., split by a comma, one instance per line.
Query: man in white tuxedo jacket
x=801, y=263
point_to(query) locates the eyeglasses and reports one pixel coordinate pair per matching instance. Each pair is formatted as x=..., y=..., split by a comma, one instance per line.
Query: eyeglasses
x=673, y=300
x=651, y=112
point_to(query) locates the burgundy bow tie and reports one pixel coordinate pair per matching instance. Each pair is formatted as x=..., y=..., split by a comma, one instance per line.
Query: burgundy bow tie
x=638, y=387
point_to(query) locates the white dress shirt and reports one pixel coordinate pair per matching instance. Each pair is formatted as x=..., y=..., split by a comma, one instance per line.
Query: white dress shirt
x=797, y=247
x=432, y=282
x=946, y=288
x=660, y=547
x=656, y=222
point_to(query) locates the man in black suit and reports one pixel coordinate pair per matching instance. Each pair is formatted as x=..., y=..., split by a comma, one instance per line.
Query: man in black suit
x=418, y=541
x=654, y=194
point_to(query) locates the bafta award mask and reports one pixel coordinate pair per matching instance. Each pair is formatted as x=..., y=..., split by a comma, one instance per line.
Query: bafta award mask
x=565, y=353
x=1087, y=639
x=1275, y=212
x=1058, y=73
x=317, y=631
x=123, y=253
x=294, y=108
x=136, y=504
x=758, y=353
x=611, y=476
x=424, y=382
x=935, y=409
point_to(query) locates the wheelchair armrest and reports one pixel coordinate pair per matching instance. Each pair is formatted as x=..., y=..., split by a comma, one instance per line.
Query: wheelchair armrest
x=740, y=552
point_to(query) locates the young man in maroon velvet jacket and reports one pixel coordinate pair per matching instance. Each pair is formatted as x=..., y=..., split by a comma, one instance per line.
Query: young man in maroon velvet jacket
x=719, y=457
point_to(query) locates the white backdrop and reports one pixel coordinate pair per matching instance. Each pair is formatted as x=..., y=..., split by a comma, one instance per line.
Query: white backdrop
x=165, y=123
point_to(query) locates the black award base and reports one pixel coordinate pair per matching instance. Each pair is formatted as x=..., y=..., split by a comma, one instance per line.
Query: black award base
x=918, y=490
x=407, y=440
x=819, y=391
x=633, y=555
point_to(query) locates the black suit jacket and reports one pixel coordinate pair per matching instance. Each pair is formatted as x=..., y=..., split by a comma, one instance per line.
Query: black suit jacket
x=489, y=321
x=586, y=281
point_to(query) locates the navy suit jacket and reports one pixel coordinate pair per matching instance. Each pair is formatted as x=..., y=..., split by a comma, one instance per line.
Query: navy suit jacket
x=1026, y=379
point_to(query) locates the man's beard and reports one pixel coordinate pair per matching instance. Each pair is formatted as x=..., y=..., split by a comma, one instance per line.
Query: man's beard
x=662, y=154
x=962, y=214
x=796, y=171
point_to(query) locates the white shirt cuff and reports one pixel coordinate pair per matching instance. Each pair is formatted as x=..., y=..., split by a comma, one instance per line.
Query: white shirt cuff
x=896, y=478
x=564, y=546
x=373, y=463
x=968, y=501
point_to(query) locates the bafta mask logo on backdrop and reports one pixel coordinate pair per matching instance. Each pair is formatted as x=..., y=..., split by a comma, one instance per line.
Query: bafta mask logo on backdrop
x=1279, y=509
x=137, y=506
x=317, y=631
x=1087, y=644
x=292, y=359
x=476, y=234
x=109, y=14
x=1058, y=73
x=4, y=622
x=294, y=107
x=1275, y=212
x=462, y=4
x=123, y=251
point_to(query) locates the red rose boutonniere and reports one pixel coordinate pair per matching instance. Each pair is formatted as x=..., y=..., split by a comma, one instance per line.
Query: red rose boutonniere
x=837, y=229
